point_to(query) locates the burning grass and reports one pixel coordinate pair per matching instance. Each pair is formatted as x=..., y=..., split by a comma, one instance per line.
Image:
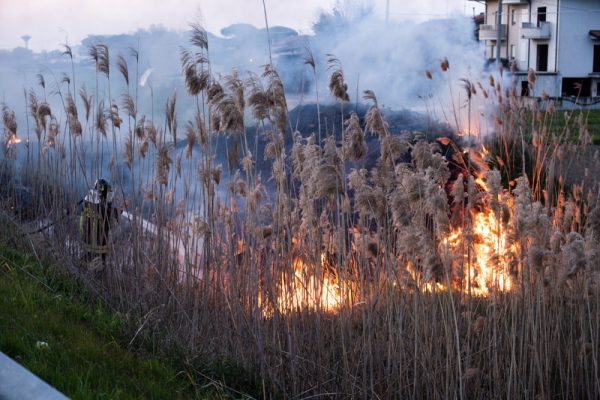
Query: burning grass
x=461, y=267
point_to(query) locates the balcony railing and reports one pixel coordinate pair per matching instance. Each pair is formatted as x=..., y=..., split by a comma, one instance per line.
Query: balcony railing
x=530, y=30
x=490, y=32
x=515, y=2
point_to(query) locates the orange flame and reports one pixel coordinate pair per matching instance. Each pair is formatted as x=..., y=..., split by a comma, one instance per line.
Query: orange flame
x=305, y=291
x=480, y=249
x=485, y=261
x=487, y=249
x=308, y=292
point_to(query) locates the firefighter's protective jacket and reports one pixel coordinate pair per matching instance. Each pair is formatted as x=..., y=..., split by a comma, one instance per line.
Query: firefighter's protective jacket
x=95, y=222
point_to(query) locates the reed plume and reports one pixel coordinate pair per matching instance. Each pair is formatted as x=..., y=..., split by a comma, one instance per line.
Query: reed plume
x=139, y=129
x=43, y=111
x=468, y=87
x=87, y=102
x=310, y=60
x=190, y=134
x=337, y=83
x=171, y=115
x=129, y=105
x=257, y=99
x=123, y=69
x=68, y=51
x=71, y=106
x=375, y=123
x=41, y=81
x=354, y=147
x=215, y=94
x=151, y=132
x=33, y=103
x=53, y=130
x=102, y=59
x=114, y=115
x=199, y=36
x=163, y=163
x=196, y=75
x=100, y=123
x=128, y=153
x=275, y=97
x=9, y=120
x=531, y=78
x=228, y=115
x=445, y=64
x=236, y=87
x=143, y=149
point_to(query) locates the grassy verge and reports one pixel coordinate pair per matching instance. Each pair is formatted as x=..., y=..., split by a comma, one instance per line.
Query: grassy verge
x=53, y=327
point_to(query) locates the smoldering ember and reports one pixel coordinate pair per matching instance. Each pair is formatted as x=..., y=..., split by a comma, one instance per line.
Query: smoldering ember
x=388, y=206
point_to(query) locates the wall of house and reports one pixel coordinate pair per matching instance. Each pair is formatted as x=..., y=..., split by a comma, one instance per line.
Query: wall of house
x=552, y=18
x=516, y=15
x=491, y=7
x=570, y=49
x=525, y=51
x=576, y=49
x=548, y=84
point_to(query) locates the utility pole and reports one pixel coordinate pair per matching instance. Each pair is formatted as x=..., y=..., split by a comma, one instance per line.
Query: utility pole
x=499, y=28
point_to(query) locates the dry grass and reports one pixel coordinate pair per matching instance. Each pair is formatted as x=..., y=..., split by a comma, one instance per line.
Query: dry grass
x=337, y=285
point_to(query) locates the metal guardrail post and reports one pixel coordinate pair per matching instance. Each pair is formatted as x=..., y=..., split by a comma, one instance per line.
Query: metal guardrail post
x=17, y=383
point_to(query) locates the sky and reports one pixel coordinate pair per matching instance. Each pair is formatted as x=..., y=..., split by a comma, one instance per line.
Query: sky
x=51, y=23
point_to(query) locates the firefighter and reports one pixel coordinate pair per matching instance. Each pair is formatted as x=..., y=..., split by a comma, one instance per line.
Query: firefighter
x=96, y=218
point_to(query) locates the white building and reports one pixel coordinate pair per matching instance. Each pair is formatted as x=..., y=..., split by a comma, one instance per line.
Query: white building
x=558, y=39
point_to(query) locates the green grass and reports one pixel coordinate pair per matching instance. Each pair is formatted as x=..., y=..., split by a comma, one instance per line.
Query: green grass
x=561, y=121
x=85, y=357
x=593, y=122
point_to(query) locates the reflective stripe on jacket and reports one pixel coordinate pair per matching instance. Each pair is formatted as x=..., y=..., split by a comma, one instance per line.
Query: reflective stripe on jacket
x=94, y=224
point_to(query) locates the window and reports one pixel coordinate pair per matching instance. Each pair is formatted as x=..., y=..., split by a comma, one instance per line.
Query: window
x=493, y=53
x=541, y=15
x=596, y=67
x=577, y=87
x=513, y=17
x=542, y=57
x=513, y=52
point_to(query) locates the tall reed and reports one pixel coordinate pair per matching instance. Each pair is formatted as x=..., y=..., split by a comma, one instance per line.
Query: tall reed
x=344, y=280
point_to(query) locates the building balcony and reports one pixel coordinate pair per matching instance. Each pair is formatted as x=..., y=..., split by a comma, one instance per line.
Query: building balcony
x=511, y=2
x=530, y=30
x=490, y=32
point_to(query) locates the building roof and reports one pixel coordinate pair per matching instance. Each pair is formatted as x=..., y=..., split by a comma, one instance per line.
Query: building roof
x=595, y=34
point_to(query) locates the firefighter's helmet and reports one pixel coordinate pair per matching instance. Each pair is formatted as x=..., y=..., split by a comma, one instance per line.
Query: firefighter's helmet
x=102, y=187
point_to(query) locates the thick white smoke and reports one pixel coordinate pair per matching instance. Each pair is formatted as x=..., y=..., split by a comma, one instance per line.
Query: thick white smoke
x=390, y=58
